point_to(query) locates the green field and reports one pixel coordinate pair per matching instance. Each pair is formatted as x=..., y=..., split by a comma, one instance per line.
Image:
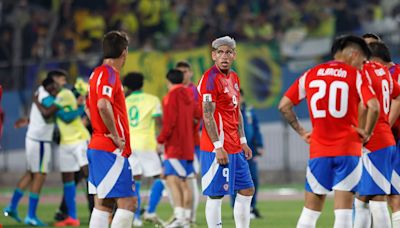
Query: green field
x=276, y=214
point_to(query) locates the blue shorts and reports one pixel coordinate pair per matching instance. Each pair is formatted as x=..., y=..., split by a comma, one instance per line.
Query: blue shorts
x=325, y=174
x=377, y=172
x=177, y=167
x=395, y=181
x=220, y=180
x=109, y=175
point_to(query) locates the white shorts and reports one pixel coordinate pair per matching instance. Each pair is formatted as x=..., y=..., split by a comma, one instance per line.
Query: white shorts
x=38, y=155
x=73, y=156
x=146, y=163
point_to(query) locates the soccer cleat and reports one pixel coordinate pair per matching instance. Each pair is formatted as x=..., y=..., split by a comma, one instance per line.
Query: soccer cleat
x=255, y=214
x=137, y=222
x=59, y=216
x=153, y=218
x=68, y=222
x=33, y=221
x=175, y=223
x=8, y=212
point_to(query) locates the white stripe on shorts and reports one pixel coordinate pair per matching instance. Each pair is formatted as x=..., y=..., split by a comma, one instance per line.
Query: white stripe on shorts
x=376, y=175
x=111, y=177
x=395, y=181
x=178, y=167
x=315, y=186
x=91, y=188
x=351, y=180
x=207, y=178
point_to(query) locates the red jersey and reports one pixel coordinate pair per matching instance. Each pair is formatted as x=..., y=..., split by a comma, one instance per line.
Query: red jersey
x=179, y=114
x=385, y=90
x=105, y=83
x=333, y=91
x=395, y=73
x=196, y=133
x=223, y=90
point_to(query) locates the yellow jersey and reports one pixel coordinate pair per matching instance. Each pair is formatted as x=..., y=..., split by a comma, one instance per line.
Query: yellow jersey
x=142, y=108
x=74, y=131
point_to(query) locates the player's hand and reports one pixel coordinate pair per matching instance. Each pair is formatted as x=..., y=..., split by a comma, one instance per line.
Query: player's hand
x=35, y=99
x=160, y=148
x=363, y=134
x=247, y=151
x=222, y=156
x=118, y=141
x=21, y=122
x=306, y=136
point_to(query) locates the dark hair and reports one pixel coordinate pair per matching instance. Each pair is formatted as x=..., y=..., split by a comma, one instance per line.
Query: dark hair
x=56, y=73
x=175, y=76
x=371, y=35
x=114, y=43
x=133, y=80
x=342, y=42
x=47, y=81
x=380, y=50
x=182, y=64
x=241, y=92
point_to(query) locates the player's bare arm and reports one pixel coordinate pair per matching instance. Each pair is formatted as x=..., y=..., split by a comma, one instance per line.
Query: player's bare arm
x=246, y=149
x=211, y=128
x=371, y=119
x=87, y=111
x=46, y=112
x=107, y=115
x=286, y=108
x=394, y=110
x=362, y=115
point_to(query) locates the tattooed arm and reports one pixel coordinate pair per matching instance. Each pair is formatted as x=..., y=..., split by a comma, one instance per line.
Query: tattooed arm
x=286, y=108
x=211, y=128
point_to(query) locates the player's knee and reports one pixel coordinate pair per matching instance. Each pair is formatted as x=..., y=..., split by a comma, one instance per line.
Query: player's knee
x=247, y=192
x=128, y=203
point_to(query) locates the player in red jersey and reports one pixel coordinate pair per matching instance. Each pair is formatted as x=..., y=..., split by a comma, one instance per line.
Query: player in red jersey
x=179, y=116
x=223, y=146
x=110, y=177
x=379, y=150
x=187, y=81
x=333, y=91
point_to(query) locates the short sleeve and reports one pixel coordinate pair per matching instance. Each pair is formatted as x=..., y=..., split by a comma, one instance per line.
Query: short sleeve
x=297, y=91
x=207, y=87
x=157, y=110
x=48, y=101
x=364, y=87
x=106, y=84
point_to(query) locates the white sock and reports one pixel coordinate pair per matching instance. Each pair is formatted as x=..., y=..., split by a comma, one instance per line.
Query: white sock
x=187, y=214
x=396, y=219
x=196, y=198
x=179, y=213
x=241, y=211
x=99, y=219
x=213, y=212
x=343, y=218
x=308, y=218
x=380, y=214
x=362, y=214
x=122, y=219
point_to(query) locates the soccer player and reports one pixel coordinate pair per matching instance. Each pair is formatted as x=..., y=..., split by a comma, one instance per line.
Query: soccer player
x=378, y=151
x=223, y=146
x=144, y=115
x=110, y=178
x=333, y=91
x=73, y=143
x=38, y=153
x=253, y=134
x=187, y=81
x=178, y=122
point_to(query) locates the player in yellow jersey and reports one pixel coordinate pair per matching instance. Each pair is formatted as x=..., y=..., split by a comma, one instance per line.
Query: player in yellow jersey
x=144, y=116
x=73, y=143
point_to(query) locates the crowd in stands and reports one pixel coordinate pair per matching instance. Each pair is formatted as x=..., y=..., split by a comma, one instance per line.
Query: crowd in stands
x=176, y=24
